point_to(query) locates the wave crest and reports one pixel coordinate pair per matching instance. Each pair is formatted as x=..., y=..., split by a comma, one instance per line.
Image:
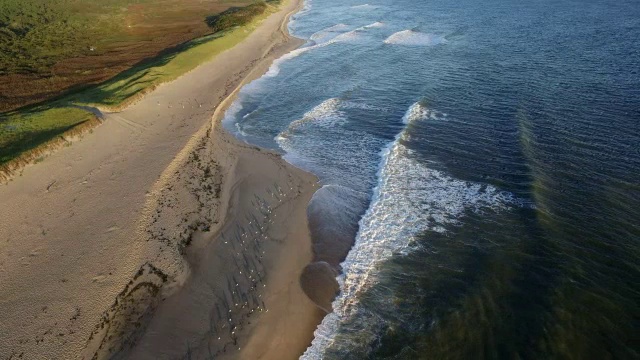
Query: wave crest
x=414, y=38
x=410, y=198
x=419, y=112
x=323, y=38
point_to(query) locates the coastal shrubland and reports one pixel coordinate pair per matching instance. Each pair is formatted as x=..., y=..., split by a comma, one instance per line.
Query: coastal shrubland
x=25, y=130
x=235, y=16
x=48, y=48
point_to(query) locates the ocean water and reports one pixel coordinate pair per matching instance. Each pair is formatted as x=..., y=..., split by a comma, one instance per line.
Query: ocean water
x=483, y=157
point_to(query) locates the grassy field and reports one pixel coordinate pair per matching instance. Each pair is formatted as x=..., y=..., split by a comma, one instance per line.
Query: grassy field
x=176, y=62
x=18, y=133
x=26, y=129
x=48, y=47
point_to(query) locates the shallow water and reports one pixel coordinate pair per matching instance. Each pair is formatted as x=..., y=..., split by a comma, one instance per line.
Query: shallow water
x=485, y=158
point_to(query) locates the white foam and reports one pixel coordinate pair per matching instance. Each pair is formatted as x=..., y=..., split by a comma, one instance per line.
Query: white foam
x=410, y=198
x=249, y=114
x=319, y=142
x=294, y=18
x=232, y=112
x=364, y=7
x=414, y=38
x=328, y=33
x=377, y=24
x=240, y=131
x=419, y=112
x=274, y=70
x=327, y=114
x=359, y=105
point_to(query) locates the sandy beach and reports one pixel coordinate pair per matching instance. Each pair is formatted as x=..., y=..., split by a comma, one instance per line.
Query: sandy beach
x=160, y=236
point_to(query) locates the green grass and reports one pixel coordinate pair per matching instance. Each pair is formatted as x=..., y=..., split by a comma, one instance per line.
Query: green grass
x=235, y=16
x=35, y=34
x=24, y=130
x=166, y=67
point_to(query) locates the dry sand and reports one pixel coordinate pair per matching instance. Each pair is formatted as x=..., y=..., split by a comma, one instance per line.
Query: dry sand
x=139, y=241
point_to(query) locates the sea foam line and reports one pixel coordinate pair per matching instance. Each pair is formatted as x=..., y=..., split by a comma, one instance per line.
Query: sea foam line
x=274, y=70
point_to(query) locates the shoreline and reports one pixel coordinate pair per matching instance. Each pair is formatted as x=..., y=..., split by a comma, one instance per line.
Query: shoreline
x=120, y=216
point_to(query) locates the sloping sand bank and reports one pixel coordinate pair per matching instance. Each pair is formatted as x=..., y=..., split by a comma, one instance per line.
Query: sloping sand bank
x=135, y=241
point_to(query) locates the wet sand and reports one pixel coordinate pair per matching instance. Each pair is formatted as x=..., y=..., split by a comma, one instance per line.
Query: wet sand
x=139, y=240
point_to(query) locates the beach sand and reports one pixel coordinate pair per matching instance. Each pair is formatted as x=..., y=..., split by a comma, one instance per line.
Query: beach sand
x=139, y=240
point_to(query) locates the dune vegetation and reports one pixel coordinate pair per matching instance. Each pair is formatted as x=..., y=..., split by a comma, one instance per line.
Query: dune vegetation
x=40, y=38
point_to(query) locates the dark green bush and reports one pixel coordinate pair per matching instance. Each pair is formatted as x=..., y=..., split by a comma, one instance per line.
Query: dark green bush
x=235, y=16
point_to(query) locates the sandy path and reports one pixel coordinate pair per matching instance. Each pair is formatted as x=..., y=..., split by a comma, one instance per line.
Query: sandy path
x=76, y=227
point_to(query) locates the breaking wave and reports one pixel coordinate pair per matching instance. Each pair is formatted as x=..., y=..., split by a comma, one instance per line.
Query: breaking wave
x=409, y=199
x=420, y=112
x=332, y=35
x=328, y=33
x=321, y=142
x=414, y=38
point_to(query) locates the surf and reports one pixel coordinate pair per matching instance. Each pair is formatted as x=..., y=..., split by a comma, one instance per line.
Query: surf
x=409, y=199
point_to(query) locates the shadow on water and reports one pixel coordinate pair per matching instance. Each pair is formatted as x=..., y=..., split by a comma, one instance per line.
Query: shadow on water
x=468, y=293
x=585, y=207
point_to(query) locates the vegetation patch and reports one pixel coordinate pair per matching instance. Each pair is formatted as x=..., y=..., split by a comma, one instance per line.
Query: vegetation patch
x=48, y=48
x=235, y=16
x=21, y=132
x=25, y=130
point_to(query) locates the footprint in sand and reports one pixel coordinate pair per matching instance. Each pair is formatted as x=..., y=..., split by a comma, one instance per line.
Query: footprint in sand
x=98, y=279
x=112, y=229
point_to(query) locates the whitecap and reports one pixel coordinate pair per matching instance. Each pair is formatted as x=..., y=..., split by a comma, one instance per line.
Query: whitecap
x=274, y=70
x=377, y=24
x=414, y=38
x=363, y=7
x=418, y=112
x=327, y=34
x=327, y=114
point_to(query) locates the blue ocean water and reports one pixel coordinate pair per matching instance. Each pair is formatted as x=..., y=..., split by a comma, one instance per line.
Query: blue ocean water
x=482, y=157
